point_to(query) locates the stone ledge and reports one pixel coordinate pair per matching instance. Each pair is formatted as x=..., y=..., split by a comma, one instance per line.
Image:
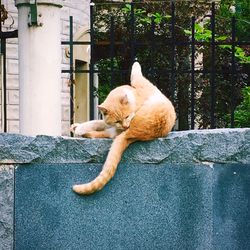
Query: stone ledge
x=6, y=206
x=194, y=146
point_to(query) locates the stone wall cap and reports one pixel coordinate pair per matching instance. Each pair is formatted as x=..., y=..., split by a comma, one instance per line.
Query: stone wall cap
x=193, y=146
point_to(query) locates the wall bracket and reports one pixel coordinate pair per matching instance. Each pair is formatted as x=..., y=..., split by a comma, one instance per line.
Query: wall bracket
x=33, y=14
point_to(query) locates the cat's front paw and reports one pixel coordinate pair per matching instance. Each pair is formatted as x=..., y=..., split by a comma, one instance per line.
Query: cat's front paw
x=78, y=129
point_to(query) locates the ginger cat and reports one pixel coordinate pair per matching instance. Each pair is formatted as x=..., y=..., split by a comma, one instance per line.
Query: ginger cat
x=139, y=112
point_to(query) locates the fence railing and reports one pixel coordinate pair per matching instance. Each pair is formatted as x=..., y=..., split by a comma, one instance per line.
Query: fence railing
x=4, y=35
x=205, y=83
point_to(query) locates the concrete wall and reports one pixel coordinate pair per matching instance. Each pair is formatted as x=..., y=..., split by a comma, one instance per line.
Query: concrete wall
x=79, y=9
x=190, y=190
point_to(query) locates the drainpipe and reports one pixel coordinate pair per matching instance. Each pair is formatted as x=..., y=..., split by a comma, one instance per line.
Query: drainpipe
x=39, y=46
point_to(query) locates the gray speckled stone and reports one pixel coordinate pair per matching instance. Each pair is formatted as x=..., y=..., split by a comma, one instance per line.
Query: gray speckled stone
x=6, y=206
x=145, y=206
x=48, y=166
x=197, y=146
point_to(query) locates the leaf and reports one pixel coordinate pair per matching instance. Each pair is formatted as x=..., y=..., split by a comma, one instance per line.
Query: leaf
x=167, y=16
x=198, y=28
x=225, y=46
x=146, y=20
x=139, y=11
x=188, y=32
x=127, y=8
x=221, y=38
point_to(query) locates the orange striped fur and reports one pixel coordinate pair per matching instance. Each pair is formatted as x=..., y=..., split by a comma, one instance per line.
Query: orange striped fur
x=139, y=112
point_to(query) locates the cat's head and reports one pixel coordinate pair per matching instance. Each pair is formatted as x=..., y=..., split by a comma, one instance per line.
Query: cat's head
x=119, y=107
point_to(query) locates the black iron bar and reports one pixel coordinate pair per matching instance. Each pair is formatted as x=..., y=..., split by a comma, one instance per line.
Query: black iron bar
x=4, y=101
x=112, y=48
x=233, y=67
x=177, y=71
x=75, y=42
x=172, y=30
x=152, y=47
x=132, y=25
x=71, y=65
x=193, y=73
x=138, y=43
x=212, y=74
x=3, y=36
x=91, y=64
x=9, y=34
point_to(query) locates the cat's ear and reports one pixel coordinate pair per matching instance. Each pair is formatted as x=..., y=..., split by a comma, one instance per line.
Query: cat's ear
x=102, y=109
x=124, y=99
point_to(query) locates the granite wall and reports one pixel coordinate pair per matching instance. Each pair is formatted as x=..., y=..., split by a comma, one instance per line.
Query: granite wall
x=190, y=190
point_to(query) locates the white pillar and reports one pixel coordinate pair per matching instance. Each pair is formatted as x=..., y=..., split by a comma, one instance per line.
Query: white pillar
x=40, y=68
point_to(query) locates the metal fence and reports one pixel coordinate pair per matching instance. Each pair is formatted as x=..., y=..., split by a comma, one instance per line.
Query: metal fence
x=200, y=101
x=4, y=35
x=113, y=41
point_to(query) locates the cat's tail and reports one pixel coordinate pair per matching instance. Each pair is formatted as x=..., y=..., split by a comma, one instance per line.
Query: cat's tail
x=135, y=71
x=118, y=146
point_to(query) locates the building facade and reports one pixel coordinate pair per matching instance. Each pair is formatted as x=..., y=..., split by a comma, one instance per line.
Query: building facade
x=79, y=9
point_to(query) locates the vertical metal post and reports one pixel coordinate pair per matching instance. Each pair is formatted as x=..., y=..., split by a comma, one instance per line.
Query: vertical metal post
x=112, y=39
x=233, y=25
x=3, y=62
x=152, y=49
x=212, y=73
x=4, y=85
x=91, y=64
x=172, y=27
x=192, y=72
x=132, y=23
x=71, y=65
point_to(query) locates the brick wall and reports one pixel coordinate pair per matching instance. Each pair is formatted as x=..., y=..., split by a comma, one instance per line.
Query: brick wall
x=79, y=9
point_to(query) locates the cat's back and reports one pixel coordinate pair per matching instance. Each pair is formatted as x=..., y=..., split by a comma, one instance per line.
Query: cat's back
x=119, y=92
x=155, y=97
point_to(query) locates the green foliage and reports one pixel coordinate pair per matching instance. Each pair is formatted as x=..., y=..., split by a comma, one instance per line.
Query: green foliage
x=203, y=34
x=242, y=112
x=242, y=15
x=105, y=67
x=154, y=51
x=142, y=16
